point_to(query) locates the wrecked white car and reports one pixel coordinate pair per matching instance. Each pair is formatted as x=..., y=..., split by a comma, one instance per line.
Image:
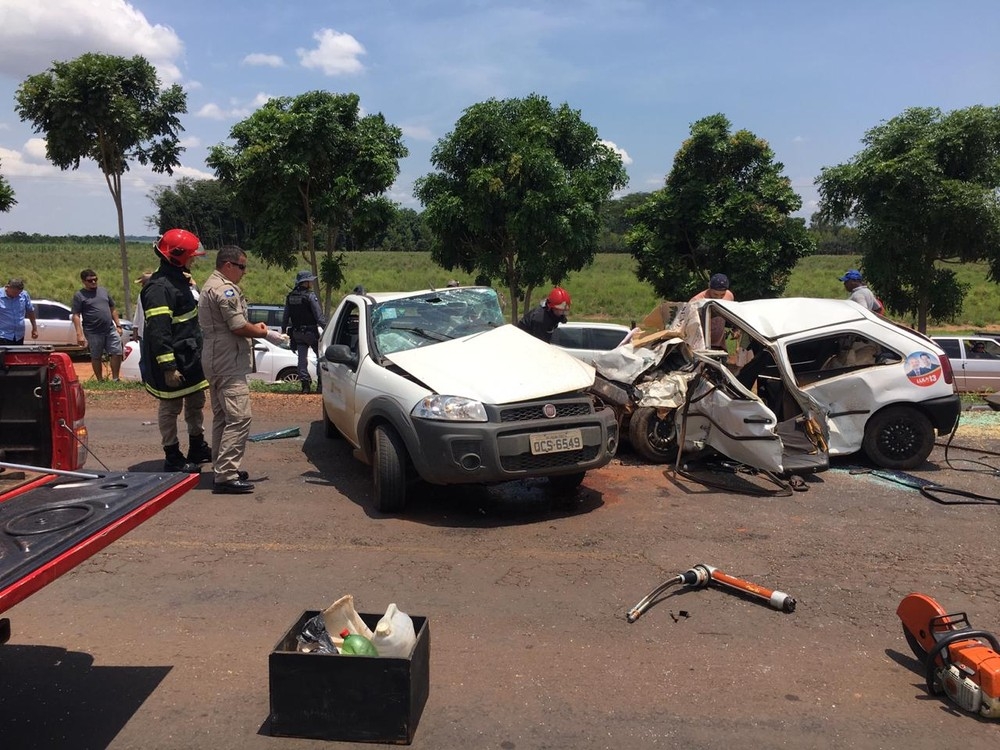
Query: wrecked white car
x=433, y=385
x=830, y=371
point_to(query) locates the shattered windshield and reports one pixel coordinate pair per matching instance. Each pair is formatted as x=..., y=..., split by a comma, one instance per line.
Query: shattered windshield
x=410, y=322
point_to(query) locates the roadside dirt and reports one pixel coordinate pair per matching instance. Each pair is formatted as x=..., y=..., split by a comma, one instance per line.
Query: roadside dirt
x=162, y=640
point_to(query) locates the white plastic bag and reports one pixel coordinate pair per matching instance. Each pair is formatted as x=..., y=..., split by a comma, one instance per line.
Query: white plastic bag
x=394, y=634
x=341, y=614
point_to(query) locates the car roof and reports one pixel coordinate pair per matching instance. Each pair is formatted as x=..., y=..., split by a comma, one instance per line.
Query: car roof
x=781, y=316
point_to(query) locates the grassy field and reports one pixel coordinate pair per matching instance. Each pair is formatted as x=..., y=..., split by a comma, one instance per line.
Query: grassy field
x=607, y=291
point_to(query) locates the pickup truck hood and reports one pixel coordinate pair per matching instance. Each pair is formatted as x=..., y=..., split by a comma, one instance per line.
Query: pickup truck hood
x=500, y=366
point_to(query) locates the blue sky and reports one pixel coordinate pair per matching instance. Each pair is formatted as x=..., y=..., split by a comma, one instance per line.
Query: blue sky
x=808, y=77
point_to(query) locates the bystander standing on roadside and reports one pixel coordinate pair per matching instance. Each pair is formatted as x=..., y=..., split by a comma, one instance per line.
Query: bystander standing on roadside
x=96, y=320
x=301, y=321
x=15, y=307
x=171, y=350
x=227, y=360
x=858, y=291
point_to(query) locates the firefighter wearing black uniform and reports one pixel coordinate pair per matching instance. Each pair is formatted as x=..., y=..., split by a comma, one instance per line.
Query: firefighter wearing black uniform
x=171, y=350
x=301, y=321
x=542, y=321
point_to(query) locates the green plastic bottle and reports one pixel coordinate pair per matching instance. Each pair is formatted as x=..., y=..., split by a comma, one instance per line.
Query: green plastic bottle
x=356, y=645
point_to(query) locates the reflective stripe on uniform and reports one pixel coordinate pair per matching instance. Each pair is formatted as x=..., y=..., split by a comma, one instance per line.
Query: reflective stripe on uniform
x=177, y=394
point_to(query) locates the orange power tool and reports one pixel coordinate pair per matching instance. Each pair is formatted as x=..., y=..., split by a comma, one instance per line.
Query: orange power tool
x=961, y=662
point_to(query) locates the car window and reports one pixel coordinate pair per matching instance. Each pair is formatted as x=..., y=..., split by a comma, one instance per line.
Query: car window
x=982, y=349
x=604, y=338
x=827, y=356
x=571, y=338
x=45, y=311
x=427, y=319
x=951, y=347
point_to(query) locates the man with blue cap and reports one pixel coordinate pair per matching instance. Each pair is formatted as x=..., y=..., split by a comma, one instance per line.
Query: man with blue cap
x=301, y=321
x=858, y=292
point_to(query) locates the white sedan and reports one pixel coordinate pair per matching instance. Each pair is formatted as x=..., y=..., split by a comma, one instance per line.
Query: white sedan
x=272, y=363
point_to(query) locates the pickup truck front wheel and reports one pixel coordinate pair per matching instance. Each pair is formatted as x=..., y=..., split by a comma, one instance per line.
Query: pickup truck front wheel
x=389, y=470
x=898, y=437
x=651, y=437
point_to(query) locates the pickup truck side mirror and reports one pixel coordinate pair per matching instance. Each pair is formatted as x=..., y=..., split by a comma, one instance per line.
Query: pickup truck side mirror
x=341, y=354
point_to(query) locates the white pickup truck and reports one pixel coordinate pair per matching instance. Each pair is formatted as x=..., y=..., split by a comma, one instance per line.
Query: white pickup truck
x=433, y=385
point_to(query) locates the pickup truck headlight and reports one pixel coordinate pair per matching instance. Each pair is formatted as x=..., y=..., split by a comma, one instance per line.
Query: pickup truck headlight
x=451, y=408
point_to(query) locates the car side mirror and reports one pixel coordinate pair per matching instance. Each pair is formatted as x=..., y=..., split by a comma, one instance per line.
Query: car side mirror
x=341, y=354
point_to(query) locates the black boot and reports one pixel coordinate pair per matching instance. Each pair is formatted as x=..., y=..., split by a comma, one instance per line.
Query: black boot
x=306, y=386
x=176, y=461
x=199, y=452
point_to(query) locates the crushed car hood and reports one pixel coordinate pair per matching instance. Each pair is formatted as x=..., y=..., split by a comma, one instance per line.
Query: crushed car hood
x=500, y=366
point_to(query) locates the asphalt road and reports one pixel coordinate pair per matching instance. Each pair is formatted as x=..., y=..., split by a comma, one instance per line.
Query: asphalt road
x=162, y=640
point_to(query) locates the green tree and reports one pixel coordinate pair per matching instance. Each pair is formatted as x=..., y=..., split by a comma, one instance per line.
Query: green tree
x=204, y=207
x=109, y=109
x=518, y=193
x=7, y=200
x=307, y=170
x=616, y=222
x=833, y=237
x=725, y=208
x=922, y=192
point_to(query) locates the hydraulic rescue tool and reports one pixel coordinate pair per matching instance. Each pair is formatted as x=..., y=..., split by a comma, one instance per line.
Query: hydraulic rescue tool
x=701, y=576
x=959, y=661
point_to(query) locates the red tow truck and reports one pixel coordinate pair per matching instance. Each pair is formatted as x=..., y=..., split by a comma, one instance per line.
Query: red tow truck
x=53, y=514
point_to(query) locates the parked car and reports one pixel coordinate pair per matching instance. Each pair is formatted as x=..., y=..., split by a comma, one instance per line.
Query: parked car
x=272, y=363
x=55, y=324
x=586, y=339
x=269, y=314
x=975, y=360
x=432, y=385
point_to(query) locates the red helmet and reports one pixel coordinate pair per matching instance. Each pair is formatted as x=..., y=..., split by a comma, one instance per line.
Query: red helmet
x=179, y=246
x=558, y=299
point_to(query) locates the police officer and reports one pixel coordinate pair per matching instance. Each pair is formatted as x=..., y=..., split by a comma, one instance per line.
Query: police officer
x=171, y=350
x=301, y=321
x=227, y=359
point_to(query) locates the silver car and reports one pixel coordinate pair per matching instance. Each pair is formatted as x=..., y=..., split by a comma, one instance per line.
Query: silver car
x=975, y=360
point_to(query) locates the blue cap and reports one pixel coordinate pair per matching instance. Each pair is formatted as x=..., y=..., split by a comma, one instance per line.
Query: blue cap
x=718, y=281
x=304, y=276
x=852, y=275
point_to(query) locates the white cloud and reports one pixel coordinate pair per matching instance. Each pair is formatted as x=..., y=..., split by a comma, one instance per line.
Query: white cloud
x=259, y=58
x=15, y=165
x=417, y=132
x=337, y=53
x=35, y=148
x=211, y=111
x=626, y=159
x=236, y=110
x=34, y=33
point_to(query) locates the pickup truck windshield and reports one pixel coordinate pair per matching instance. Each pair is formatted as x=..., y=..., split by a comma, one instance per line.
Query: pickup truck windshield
x=426, y=319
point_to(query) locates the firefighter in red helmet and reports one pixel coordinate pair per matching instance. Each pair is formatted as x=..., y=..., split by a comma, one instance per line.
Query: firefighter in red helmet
x=541, y=321
x=171, y=350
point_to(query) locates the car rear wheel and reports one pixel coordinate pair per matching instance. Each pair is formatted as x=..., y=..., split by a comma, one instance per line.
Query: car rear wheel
x=389, y=471
x=651, y=437
x=898, y=437
x=288, y=375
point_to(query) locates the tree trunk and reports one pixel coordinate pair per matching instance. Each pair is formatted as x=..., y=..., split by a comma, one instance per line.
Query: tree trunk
x=116, y=193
